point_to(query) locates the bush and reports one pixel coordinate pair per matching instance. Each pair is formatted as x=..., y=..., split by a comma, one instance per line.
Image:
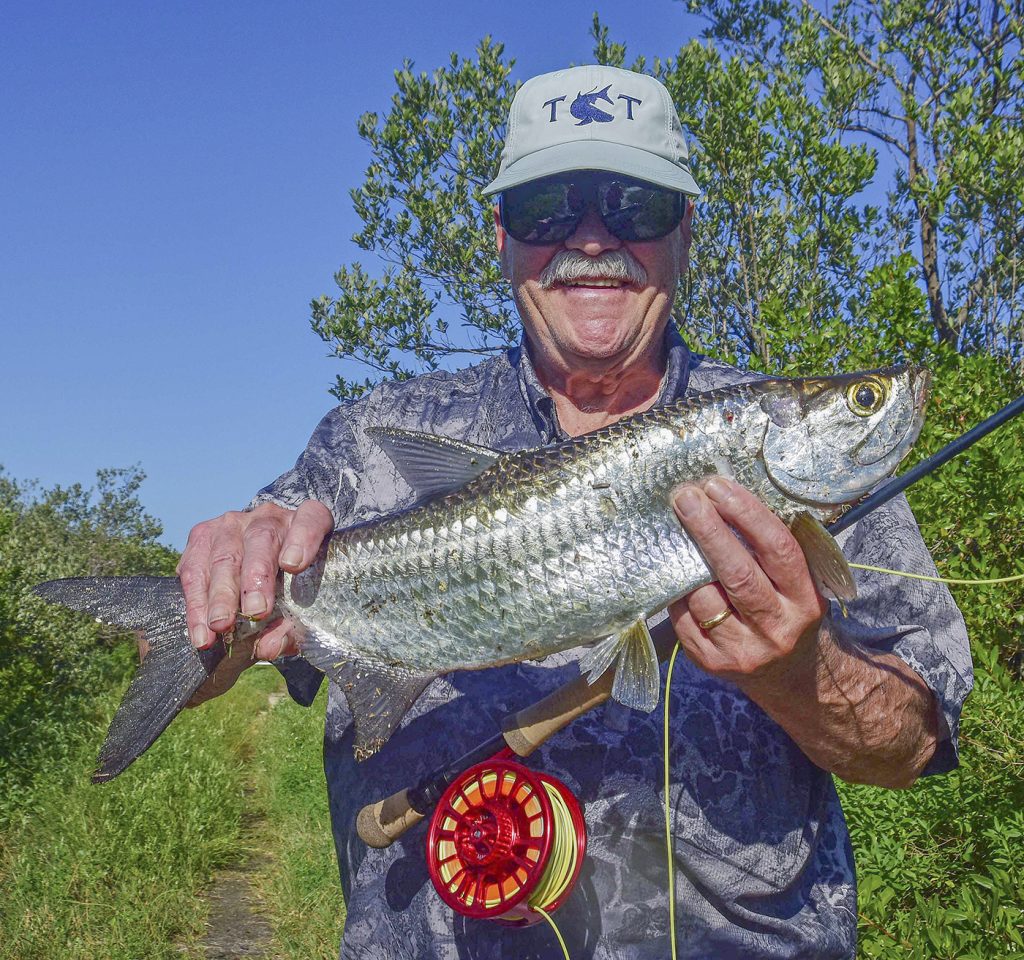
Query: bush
x=55, y=662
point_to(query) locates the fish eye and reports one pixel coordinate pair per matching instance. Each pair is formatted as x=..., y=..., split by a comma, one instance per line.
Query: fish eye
x=865, y=397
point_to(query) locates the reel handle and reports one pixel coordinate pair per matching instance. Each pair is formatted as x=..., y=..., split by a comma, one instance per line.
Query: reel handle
x=380, y=824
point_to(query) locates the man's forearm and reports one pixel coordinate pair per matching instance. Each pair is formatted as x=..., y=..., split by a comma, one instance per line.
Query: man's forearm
x=863, y=715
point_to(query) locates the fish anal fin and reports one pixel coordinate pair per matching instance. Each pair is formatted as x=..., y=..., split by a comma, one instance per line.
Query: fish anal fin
x=825, y=560
x=430, y=464
x=379, y=695
x=637, y=681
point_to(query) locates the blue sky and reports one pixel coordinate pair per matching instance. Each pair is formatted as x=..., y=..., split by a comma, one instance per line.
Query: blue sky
x=174, y=190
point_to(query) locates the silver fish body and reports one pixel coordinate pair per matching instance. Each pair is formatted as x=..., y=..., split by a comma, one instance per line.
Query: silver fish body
x=569, y=544
x=510, y=557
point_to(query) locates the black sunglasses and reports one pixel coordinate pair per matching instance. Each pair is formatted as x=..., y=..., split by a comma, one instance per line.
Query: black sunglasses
x=549, y=211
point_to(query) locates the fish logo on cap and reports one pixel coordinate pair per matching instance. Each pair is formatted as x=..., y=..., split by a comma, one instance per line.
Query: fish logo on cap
x=585, y=109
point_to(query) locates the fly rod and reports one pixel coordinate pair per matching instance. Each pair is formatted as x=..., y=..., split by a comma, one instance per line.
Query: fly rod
x=898, y=484
x=380, y=824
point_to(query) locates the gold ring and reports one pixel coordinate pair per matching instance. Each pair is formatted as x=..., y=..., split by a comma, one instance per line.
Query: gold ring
x=716, y=619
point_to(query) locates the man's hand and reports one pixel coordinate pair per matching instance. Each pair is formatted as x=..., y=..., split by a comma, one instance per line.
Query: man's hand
x=231, y=564
x=864, y=715
x=776, y=610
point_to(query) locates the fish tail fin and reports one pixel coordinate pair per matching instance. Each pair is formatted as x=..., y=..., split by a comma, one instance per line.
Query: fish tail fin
x=632, y=650
x=171, y=671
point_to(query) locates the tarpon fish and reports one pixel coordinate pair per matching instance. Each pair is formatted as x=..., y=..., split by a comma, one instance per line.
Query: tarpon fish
x=511, y=556
x=585, y=109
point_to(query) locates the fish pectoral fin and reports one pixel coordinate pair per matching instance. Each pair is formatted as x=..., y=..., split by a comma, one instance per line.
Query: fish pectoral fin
x=432, y=465
x=637, y=681
x=825, y=560
x=379, y=695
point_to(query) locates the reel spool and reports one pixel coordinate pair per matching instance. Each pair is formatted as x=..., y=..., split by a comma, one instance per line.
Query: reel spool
x=504, y=840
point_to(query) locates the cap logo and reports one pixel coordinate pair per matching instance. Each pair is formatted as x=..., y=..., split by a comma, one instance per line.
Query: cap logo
x=585, y=109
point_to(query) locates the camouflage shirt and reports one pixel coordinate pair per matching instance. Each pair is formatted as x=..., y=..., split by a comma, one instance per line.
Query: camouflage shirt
x=763, y=861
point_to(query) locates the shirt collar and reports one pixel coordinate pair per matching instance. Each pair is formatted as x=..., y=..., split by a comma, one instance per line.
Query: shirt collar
x=542, y=407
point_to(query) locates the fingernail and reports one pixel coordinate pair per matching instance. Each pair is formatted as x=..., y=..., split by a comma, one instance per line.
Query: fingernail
x=216, y=616
x=198, y=634
x=718, y=488
x=688, y=502
x=292, y=557
x=254, y=604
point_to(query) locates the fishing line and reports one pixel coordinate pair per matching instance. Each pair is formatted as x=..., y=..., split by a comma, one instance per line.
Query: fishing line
x=561, y=942
x=951, y=580
x=668, y=814
x=561, y=866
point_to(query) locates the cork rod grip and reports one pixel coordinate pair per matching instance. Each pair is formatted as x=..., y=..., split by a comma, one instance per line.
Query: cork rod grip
x=380, y=824
x=527, y=729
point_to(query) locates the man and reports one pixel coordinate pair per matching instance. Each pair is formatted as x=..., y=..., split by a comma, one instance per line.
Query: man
x=593, y=230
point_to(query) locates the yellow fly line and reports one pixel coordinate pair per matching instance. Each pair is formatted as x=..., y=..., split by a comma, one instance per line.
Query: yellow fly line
x=561, y=865
x=950, y=580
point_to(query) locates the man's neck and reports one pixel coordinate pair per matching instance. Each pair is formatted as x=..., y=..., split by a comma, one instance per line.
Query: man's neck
x=588, y=399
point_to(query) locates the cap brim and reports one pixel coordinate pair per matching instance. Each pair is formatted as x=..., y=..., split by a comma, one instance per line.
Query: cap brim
x=595, y=155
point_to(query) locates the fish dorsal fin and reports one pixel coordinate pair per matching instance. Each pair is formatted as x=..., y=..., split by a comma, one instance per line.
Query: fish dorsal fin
x=636, y=681
x=432, y=465
x=378, y=694
x=825, y=560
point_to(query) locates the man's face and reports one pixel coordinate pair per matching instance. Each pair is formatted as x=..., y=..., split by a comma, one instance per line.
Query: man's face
x=594, y=302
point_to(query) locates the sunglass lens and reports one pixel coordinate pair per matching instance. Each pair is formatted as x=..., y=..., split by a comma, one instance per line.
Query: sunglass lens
x=635, y=211
x=544, y=211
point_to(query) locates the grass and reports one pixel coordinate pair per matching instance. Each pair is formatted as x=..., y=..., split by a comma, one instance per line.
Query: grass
x=118, y=871
x=299, y=885
x=941, y=867
x=113, y=871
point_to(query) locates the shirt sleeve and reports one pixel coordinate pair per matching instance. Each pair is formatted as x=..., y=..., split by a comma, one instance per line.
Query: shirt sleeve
x=916, y=620
x=327, y=470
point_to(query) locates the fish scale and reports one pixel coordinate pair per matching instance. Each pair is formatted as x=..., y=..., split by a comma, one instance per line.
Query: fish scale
x=636, y=558
x=508, y=557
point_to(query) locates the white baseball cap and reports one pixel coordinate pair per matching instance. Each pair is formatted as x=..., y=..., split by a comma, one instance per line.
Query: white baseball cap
x=594, y=118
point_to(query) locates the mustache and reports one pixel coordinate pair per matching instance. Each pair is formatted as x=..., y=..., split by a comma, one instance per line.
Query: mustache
x=567, y=266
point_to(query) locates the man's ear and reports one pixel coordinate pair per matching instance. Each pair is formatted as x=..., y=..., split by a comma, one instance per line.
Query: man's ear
x=501, y=242
x=685, y=235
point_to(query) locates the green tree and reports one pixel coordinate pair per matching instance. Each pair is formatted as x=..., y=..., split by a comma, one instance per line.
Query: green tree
x=937, y=84
x=426, y=220
x=845, y=160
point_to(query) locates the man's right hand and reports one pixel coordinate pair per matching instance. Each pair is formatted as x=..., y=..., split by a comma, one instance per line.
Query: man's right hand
x=230, y=564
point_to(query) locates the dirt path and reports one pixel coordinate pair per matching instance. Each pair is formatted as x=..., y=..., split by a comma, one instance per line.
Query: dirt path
x=235, y=927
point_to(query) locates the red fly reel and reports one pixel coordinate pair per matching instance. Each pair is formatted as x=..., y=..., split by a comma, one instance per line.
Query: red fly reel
x=504, y=840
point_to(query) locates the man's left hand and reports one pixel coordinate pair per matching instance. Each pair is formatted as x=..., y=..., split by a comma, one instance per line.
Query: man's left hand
x=776, y=610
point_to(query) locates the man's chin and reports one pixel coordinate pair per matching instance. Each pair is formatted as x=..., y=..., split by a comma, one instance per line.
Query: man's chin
x=598, y=341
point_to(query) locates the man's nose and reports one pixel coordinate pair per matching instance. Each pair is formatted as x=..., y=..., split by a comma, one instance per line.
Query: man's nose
x=592, y=237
